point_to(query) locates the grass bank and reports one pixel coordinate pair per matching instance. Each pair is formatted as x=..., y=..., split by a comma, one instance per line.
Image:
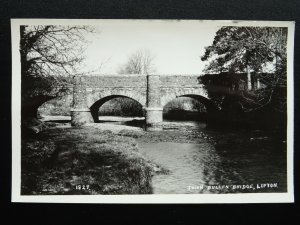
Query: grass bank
x=83, y=161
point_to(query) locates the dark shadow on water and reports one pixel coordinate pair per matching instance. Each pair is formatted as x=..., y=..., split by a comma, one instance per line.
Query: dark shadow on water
x=133, y=123
x=58, y=121
x=185, y=115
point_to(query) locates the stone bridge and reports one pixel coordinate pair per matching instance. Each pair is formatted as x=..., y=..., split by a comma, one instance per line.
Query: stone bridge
x=153, y=92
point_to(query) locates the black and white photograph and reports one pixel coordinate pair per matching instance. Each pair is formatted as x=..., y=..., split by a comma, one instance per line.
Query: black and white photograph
x=152, y=111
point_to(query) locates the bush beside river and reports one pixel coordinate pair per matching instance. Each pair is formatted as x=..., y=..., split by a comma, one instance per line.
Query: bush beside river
x=83, y=161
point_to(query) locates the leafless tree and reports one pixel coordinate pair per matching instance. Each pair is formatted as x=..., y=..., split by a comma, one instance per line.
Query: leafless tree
x=140, y=62
x=50, y=56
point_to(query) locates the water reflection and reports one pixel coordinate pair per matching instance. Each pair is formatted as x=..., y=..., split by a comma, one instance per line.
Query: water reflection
x=216, y=161
x=184, y=160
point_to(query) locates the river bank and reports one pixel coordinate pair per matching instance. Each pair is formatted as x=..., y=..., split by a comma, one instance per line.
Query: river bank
x=66, y=160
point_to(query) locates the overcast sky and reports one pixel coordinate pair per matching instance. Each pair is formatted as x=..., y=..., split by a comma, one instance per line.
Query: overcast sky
x=177, y=45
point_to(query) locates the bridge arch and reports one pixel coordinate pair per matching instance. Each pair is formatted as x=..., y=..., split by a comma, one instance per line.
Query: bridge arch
x=94, y=108
x=56, y=106
x=201, y=97
x=95, y=95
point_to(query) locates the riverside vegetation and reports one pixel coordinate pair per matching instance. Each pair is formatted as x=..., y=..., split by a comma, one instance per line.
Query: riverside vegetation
x=83, y=161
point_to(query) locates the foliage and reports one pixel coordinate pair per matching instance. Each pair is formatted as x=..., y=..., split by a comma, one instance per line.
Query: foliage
x=50, y=55
x=60, y=106
x=64, y=160
x=223, y=84
x=260, y=51
x=140, y=62
x=121, y=107
x=185, y=103
x=234, y=48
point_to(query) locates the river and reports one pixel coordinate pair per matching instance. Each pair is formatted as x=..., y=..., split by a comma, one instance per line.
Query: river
x=201, y=160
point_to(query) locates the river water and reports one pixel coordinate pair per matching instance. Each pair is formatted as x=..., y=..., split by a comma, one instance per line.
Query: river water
x=199, y=160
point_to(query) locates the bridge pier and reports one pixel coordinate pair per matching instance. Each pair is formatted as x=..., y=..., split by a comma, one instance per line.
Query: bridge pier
x=80, y=113
x=154, y=112
x=154, y=118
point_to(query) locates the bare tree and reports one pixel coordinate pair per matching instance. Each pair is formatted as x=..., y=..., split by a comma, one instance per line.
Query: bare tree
x=50, y=55
x=140, y=62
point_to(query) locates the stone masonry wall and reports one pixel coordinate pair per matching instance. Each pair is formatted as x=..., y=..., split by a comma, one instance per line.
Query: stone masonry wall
x=115, y=81
x=179, y=81
x=136, y=80
x=135, y=87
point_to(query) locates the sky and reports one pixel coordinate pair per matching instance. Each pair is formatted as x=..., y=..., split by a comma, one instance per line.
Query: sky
x=176, y=45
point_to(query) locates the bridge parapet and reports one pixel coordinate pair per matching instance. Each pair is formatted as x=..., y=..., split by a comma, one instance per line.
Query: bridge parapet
x=137, y=80
x=116, y=81
x=183, y=80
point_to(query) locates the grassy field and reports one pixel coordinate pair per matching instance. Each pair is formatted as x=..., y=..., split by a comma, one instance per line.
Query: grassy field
x=83, y=161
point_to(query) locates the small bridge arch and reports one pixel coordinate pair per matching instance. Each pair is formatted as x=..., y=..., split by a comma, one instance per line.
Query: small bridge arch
x=94, y=108
x=194, y=94
x=101, y=95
